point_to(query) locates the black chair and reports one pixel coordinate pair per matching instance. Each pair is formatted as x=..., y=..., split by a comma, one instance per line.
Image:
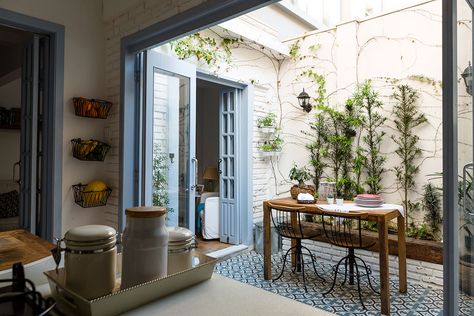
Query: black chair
x=344, y=230
x=287, y=221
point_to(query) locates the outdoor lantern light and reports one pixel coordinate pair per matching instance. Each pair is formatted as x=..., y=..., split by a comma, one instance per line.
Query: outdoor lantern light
x=303, y=100
x=467, y=76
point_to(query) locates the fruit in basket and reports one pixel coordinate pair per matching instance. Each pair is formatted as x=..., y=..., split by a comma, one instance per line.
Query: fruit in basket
x=94, y=192
x=87, y=146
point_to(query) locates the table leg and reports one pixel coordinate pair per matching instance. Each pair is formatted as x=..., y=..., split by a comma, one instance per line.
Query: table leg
x=402, y=255
x=384, y=266
x=267, y=259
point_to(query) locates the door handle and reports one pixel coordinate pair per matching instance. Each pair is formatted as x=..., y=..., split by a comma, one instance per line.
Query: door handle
x=195, y=165
x=219, y=166
x=18, y=163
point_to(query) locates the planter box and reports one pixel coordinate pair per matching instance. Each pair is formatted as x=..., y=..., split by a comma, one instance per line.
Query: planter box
x=417, y=249
x=267, y=130
x=270, y=153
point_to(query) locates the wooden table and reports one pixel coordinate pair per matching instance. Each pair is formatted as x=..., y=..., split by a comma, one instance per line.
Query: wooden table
x=382, y=217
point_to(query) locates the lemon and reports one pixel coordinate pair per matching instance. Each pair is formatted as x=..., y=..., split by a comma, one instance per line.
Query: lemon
x=95, y=186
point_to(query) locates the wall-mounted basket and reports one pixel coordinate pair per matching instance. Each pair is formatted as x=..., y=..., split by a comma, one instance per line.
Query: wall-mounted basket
x=93, y=108
x=90, y=150
x=90, y=198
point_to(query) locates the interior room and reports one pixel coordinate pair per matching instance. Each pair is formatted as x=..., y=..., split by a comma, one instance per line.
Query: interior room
x=12, y=48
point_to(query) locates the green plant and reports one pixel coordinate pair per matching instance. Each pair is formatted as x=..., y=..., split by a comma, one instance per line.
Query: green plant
x=317, y=147
x=407, y=119
x=432, y=208
x=160, y=184
x=204, y=48
x=299, y=174
x=268, y=120
x=465, y=202
x=294, y=49
x=420, y=232
x=373, y=161
x=272, y=145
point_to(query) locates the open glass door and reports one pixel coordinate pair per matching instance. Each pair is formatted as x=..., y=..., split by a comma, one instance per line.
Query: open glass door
x=169, y=119
x=465, y=119
x=229, y=211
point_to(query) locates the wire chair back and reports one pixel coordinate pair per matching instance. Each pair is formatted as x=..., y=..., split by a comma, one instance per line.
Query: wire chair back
x=287, y=220
x=344, y=229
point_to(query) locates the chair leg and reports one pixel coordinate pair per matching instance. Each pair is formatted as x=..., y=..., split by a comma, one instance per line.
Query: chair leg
x=313, y=260
x=284, y=263
x=301, y=262
x=335, y=277
x=345, y=272
x=368, y=272
x=358, y=286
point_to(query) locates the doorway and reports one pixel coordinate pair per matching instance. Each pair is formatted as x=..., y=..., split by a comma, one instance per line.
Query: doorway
x=190, y=144
x=34, y=116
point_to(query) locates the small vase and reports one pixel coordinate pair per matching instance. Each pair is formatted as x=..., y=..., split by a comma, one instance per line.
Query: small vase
x=340, y=202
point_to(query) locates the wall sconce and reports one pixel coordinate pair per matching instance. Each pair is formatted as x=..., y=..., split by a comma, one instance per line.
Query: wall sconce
x=303, y=100
x=467, y=77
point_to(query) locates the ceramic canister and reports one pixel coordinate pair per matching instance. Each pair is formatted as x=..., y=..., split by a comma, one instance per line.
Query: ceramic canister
x=145, y=246
x=90, y=260
x=180, y=245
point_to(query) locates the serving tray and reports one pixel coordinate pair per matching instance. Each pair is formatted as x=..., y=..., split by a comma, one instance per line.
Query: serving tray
x=183, y=273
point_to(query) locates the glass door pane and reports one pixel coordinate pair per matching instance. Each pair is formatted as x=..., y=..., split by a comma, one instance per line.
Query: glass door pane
x=465, y=160
x=170, y=166
x=171, y=144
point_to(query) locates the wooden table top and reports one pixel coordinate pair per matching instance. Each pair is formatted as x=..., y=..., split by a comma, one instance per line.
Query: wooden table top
x=373, y=214
x=21, y=246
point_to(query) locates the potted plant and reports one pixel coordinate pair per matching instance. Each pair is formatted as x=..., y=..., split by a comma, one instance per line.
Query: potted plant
x=301, y=175
x=272, y=146
x=466, y=262
x=267, y=124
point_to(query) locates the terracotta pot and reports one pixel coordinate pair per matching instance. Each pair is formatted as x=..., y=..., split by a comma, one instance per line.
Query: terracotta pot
x=296, y=189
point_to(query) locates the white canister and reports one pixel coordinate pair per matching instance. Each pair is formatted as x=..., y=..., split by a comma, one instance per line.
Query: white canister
x=180, y=256
x=90, y=260
x=145, y=246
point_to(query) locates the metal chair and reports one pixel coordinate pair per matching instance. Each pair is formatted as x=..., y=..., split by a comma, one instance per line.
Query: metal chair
x=344, y=230
x=287, y=222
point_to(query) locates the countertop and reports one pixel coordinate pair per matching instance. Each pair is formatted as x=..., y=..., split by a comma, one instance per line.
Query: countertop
x=223, y=296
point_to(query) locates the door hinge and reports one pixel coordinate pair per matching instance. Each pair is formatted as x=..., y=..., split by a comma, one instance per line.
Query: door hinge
x=137, y=75
x=227, y=239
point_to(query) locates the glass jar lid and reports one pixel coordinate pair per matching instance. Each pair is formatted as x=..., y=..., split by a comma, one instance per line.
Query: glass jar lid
x=90, y=237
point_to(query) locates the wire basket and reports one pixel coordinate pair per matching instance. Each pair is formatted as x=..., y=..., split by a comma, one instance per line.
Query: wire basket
x=90, y=150
x=93, y=108
x=90, y=198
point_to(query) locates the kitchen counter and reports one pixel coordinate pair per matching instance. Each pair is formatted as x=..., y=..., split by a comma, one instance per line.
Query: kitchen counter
x=221, y=295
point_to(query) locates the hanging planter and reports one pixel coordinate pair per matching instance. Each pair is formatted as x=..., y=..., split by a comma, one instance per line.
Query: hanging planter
x=267, y=130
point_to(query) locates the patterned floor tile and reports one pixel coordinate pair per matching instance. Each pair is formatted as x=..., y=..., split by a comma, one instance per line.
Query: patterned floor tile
x=344, y=300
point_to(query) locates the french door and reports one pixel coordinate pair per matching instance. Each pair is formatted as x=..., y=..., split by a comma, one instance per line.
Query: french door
x=229, y=218
x=169, y=138
x=34, y=100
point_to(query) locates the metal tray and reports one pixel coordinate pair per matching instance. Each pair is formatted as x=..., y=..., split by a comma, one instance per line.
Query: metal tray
x=182, y=274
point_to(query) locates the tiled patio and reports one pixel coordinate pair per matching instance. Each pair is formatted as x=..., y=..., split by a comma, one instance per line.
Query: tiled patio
x=420, y=300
